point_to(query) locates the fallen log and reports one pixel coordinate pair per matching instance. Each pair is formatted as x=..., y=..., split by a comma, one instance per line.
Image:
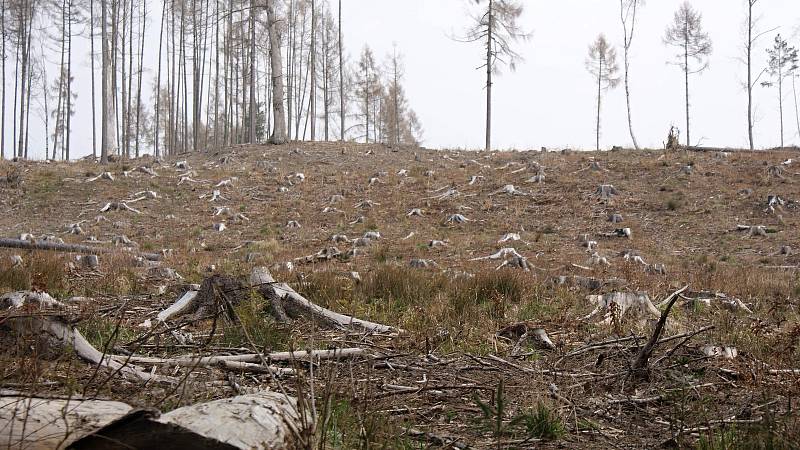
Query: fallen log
x=207, y=361
x=70, y=248
x=265, y=420
x=40, y=423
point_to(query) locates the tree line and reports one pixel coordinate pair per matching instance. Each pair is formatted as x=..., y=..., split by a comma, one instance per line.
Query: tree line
x=228, y=72
x=497, y=28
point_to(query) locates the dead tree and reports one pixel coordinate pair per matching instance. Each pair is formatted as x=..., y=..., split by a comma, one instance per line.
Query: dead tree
x=686, y=33
x=783, y=62
x=627, y=13
x=602, y=63
x=497, y=27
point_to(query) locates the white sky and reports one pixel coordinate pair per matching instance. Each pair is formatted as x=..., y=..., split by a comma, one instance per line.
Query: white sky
x=550, y=99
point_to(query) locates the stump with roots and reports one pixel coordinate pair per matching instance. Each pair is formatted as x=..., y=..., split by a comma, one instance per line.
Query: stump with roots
x=673, y=139
x=606, y=191
x=615, y=218
x=523, y=332
x=617, y=305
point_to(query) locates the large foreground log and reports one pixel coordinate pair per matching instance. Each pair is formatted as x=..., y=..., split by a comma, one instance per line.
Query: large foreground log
x=71, y=248
x=265, y=420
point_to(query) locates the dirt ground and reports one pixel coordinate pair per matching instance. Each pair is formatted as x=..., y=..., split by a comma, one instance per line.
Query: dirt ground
x=450, y=379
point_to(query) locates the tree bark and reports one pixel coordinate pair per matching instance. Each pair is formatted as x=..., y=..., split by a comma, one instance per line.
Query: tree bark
x=253, y=110
x=94, y=96
x=749, y=48
x=313, y=101
x=341, y=78
x=108, y=128
x=686, y=82
x=628, y=39
x=489, y=38
x=276, y=65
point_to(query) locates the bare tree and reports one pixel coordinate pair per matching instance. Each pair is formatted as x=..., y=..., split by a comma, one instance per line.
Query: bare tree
x=628, y=10
x=3, y=62
x=342, y=108
x=602, y=64
x=497, y=27
x=783, y=62
x=108, y=145
x=369, y=90
x=752, y=35
x=795, y=76
x=686, y=33
x=276, y=65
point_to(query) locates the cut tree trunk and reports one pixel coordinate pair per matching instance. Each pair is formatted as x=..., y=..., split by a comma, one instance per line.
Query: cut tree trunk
x=71, y=248
x=265, y=420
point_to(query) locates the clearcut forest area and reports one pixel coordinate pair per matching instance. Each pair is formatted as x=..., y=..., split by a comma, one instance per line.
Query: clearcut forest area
x=224, y=225
x=511, y=294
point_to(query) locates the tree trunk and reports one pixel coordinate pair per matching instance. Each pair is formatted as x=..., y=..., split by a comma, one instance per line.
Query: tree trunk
x=216, y=75
x=23, y=79
x=780, y=99
x=796, y=109
x=158, y=81
x=108, y=128
x=68, y=111
x=3, y=99
x=686, y=82
x=94, y=96
x=489, y=38
x=627, y=41
x=313, y=101
x=750, y=72
x=276, y=65
x=253, y=110
x=341, y=78
x=599, y=95
x=143, y=19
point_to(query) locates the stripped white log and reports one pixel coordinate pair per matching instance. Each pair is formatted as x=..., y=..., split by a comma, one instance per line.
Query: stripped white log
x=416, y=212
x=409, y=236
x=402, y=173
x=508, y=189
x=210, y=361
x=501, y=254
x=183, y=303
x=475, y=178
x=293, y=224
x=103, y=176
x=220, y=227
x=450, y=193
x=509, y=237
x=119, y=206
x=296, y=305
x=42, y=423
x=225, y=183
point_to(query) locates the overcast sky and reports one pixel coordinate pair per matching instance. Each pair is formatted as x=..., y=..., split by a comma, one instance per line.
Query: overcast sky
x=550, y=99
